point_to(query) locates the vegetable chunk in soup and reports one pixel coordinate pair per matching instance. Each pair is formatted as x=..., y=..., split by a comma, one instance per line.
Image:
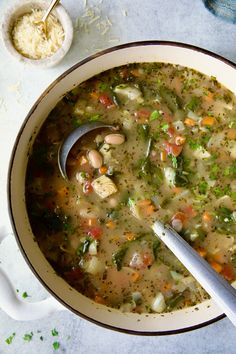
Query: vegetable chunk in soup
x=173, y=158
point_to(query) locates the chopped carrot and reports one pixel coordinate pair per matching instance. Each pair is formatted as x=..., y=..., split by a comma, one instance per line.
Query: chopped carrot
x=147, y=208
x=92, y=221
x=190, y=122
x=163, y=156
x=150, y=210
x=218, y=257
x=180, y=140
x=216, y=266
x=208, y=121
x=206, y=217
x=110, y=225
x=144, y=202
x=103, y=170
x=135, y=276
x=201, y=251
x=94, y=94
x=209, y=97
x=130, y=236
x=176, y=190
x=99, y=299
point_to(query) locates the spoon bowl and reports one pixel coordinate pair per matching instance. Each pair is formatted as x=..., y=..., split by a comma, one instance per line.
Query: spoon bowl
x=72, y=138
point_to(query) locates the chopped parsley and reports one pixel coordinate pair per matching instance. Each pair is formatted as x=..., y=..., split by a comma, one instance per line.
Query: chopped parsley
x=56, y=345
x=193, y=104
x=10, y=338
x=54, y=332
x=25, y=295
x=194, y=145
x=28, y=336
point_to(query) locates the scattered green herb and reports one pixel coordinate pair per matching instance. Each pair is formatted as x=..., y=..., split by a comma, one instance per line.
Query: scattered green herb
x=10, y=338
x=54, y=332
x=94, y=118
x=172, y=100
x=174, y=161
x=194, y=145
x=28, y=336
x=25, y=295
x=143, y=131
x=165, y=127
x=155, y=248
x=56, y=345
x=193, y=104
x=83, y=247
x=102, y=86
x=154, y=115
x=173, y=302
x=118, y=257
x=202, y=187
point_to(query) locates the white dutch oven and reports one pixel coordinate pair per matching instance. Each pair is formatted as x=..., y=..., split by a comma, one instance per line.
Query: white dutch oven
x=149, y=324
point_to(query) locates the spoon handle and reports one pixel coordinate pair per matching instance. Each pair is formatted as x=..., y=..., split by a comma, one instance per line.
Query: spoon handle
x=216, y=286
x=51, y=7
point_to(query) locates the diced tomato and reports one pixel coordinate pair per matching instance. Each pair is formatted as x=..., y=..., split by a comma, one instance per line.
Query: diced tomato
x=95, y=232
x=142, y=115
x=171, y=131
x=124, y=73
x=168, y=117
x=228, y=272
x=172, y=149
x=106, y=100
x=147, y=259
x=74, y=274
x=189, y=211
x=87, y=188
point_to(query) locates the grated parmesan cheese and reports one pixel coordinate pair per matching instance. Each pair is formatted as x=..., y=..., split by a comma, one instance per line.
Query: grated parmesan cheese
x=29, y=38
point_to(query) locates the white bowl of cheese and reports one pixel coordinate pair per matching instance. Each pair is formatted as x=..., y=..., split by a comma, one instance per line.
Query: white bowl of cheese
x=25, y=39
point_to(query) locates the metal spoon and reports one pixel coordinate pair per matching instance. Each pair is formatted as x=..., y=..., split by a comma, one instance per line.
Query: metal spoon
x=43, y=21
x=216, y=286
x=72, y=138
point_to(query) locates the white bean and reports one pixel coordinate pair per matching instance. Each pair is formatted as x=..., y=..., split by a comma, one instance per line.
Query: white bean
x=95, y=158
x=114, y=139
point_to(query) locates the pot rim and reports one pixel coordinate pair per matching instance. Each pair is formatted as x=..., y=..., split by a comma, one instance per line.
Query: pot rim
x=34, y=107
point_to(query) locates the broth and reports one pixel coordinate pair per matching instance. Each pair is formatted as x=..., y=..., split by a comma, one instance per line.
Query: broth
x=172, y=158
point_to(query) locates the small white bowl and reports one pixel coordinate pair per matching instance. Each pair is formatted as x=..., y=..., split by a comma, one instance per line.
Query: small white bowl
x=22, y=8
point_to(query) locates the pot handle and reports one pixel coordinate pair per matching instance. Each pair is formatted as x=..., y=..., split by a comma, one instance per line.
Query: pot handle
x=21, y=310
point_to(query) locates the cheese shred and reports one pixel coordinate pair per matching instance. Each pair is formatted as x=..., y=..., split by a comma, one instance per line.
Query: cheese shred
x=29, y=38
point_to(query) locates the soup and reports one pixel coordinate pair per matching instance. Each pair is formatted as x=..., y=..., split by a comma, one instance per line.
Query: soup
x=172, y=157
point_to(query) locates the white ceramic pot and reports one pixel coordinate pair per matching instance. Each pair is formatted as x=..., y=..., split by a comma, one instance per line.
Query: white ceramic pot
x=149, y=324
